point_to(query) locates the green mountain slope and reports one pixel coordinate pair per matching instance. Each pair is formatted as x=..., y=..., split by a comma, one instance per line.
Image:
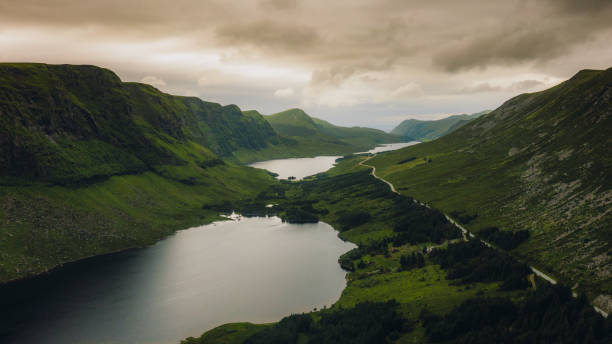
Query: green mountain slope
x=540, y=162
x=298, y=125
x=292, y=122
x=431, y=130
x=66, y=124
x=90, y=165
x=456, y=126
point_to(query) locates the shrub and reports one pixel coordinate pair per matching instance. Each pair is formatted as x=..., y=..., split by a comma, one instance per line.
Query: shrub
x=353, y=219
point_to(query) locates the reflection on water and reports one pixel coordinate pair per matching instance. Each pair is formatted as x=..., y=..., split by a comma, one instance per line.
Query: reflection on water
x=298, y=168
x=254, y=269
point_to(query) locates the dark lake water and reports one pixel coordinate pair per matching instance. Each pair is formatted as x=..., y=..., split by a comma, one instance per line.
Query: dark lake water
x=298, y=167
x=391, y=146
x=252, y=269
x=304, y=167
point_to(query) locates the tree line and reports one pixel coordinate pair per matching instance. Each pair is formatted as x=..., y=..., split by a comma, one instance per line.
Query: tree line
x=506, y=240
x=472, y=261
x=548, y=315
x=366, y=323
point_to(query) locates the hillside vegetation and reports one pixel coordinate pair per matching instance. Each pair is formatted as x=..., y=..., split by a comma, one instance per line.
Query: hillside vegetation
x=541, y=162
x=90, y=165
x=415, y=129
x=67, y=124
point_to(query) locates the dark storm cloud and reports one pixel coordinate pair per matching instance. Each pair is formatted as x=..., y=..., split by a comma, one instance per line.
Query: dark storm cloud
x=116, y=19
x=534, y=35
x=573, y=6
x=269, y=34
x=454, y=35
x=504, y=48
x=338, y=73
x=518, y=86
x=423, y=53
x=279, y=4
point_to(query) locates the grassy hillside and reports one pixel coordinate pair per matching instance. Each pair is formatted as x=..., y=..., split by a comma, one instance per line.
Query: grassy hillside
x=540, y=162
x=69, y=124
x=44, y=226
x=91, y=165
x=430, y=130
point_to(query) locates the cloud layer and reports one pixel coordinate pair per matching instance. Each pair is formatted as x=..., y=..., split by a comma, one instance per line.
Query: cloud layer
x=349, y=61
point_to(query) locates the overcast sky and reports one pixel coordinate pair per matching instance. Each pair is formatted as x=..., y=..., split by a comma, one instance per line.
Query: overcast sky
x=352, y=62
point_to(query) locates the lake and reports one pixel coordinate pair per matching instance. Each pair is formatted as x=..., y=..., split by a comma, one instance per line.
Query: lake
x=298, y=167
x=304, y=167
x=391, y=146
x=250, y=269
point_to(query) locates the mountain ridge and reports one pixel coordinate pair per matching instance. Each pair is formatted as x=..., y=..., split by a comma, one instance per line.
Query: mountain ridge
x=538, y=162
x=65, y=124
x=297, y=123
x=430, y=130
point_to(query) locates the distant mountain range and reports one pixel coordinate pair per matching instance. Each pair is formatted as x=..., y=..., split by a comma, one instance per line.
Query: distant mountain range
x=430, y=130
x=541, y=162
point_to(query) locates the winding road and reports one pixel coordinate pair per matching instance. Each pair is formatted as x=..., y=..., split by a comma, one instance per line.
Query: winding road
x=467, y=233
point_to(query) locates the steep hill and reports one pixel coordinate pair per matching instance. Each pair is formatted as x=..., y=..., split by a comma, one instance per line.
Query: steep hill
x=431, y=130
x=292, y=122
x=298, y=125
x=91, y=165
x=66, y=124
x=540, y=162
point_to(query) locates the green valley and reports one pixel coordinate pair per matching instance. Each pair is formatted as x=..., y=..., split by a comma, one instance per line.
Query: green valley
x=412, y=278
x=306, y=172
x=92, y=165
